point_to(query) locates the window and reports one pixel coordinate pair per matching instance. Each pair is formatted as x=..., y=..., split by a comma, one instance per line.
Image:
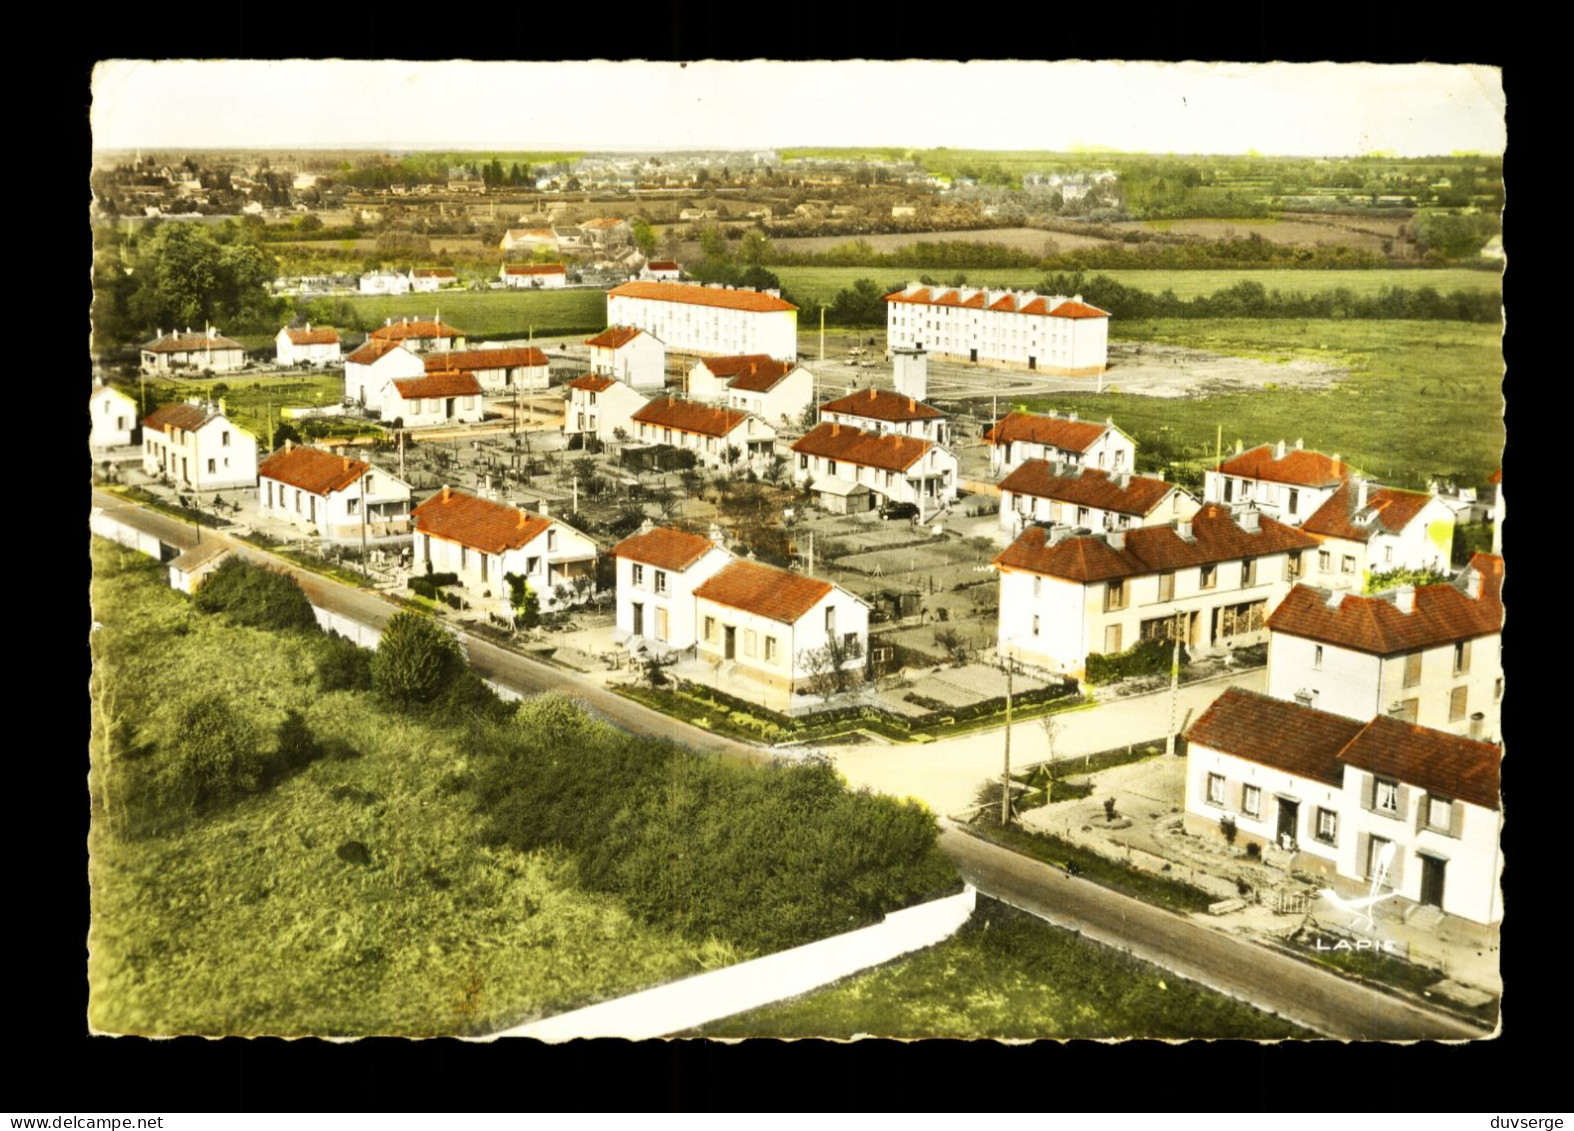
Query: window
x=830, y=467
x=1038, y=586
x=710, y=628
x=1326, y=829
x=1114, y=596
x=1112, y=639
x=1317, y=658
x=1293, y=566
x=1295, y=498
x=803, y=463
x=639, y=574
x=661, y=624
x=551, y=540
x=1462, y=657
x=1408, y=710
x=749, y=639
x=1412, y=669
x=830, y=620
x=533, y=565
x=1497, y=689
x=661, y=581
x=1251, y=800
x=1082, y=516
x=224, y=439
x=1325, y=561
x=1166, y=586
x=1035, y=624
x=770, y=649
x=212, y=467
x=1209, y=577
x=1439, y=813
x=1385, y=796
x=297, y=502
x=1458, y=701
x=1215, y=789
x=1347, y=563
x=1374, y=855
x=1248, y=572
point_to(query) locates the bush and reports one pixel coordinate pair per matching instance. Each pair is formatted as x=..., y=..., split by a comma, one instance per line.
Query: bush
x=215, y=755
x=1150, y=657
x=416, y=660
x=255, y=596
x=344, y=666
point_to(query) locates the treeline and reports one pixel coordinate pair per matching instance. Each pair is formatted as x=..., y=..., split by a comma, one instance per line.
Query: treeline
x=1246, y=252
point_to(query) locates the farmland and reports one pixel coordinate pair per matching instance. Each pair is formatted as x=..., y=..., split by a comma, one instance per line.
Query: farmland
x=494, y=314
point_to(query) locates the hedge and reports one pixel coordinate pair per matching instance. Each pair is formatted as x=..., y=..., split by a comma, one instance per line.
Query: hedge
x=1150, y=657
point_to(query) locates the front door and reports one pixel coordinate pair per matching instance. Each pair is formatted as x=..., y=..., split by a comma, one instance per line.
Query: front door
x=448, y=409
x=1032, y=363
x=1432, y=870
x=639, y=620
x=972, y=355
x=1289, y=822
x=730, y=647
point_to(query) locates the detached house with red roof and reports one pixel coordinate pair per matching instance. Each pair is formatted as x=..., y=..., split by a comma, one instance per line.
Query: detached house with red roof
x=1072, y=495
x=206, y=350
x=882, y=411
x=435, y=399
x=1430, y=654
x=335, y=497
x=848, y=466
x=498, y=370
x=661, y=271
x=1379, y=806
x=1020, y=436
x=483, y=542
x=194, y=446
x=418, y=335
x=766, y=623
x=712, y=319
x=533, y=275
x=658, y=571
x=1366, y=529
x=630, y=355
x=309, y=346
x=771, y=389
x=709, y=431
x=1286, y=484
x=1004, y=328
x=368, y=369
x=113, y=417
x=1215, y=578
x=424, y=280
x=601, y=407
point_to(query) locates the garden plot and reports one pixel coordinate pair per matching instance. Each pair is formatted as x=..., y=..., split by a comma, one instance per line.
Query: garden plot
x=972, y=683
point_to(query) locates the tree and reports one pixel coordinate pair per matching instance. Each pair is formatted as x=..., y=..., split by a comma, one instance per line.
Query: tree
x=216, y=751
x=254, y=595
x=416, y=660
x=644, y=235
x=755, y=248
x=713, y=244
x=185, y=277
x=826, y=666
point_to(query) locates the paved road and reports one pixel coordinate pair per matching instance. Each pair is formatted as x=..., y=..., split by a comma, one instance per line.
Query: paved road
x=1298, y=991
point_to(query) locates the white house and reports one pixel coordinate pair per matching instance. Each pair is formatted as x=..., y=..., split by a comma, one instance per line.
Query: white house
x=661, y=271
x=707, y=430
x=498, y=370
x=335, y=497
x=691, y=318
x=207, y=350
x=435, y=399
x=112, y=418
x=657, y=571
x=607, y=233
x=1004, y=328
x=769, y=623
x=600, y=407
x=1365, y=530
x=1214, y=578
x=1430, y=654
x=484, y=542
x=385, y=283
x=770, y=389
x=1287, y=484
x=881, y=411
x=310, y=346
x=895, y=468
x=188, y=571
x=368, y=369
x=528, y=239
x=537, y=275
x=424, y=280
x=1379, y=804
x=419, y=335
x=1021, y=436
x=630, y=355
x=195, y=447
x=1073, y=495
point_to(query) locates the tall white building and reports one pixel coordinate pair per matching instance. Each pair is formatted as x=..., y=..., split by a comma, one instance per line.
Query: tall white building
x=195, y=446
x=691, y=318
x=1011, y=329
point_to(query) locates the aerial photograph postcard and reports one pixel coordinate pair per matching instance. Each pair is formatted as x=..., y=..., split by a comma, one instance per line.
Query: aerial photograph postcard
x=596, y=550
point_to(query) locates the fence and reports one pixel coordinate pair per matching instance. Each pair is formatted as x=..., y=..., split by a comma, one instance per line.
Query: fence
x=691, y=1002
x=106, y=525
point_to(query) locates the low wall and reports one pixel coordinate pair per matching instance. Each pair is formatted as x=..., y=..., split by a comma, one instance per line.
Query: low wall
x=106, y=525
x=691, y=1002
x=363, y=635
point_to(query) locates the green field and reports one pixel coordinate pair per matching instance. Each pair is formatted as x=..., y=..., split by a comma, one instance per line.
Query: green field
x=820, y=284
x=1008, y=975
x=494, y=314
x=1423, y=399
x=252, y=402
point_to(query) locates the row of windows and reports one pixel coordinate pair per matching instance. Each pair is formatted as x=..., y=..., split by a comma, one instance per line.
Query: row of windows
x=1325, y=822
x=660, y=578
x=751, y=641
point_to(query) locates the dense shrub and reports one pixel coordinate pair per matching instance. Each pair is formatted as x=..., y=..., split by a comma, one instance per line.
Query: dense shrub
x=254, y=595
x=1150, y=657
x=343, y=665
x=215, y=756
x=416, y=660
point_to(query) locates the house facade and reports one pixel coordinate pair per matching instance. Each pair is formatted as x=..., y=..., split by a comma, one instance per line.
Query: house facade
x=1020, y=436
x=368, y=369
x=630, y=355
x=1365, y=529
x=1430, y=655
x=533, y=275
x=385, y=283
x=1286, y=483
x=498, y=370
x=1007, y=329
x=424, y=280
x=528, y=239
x=195, y=447
x=1072, y=495
x=319, y=346
x=658, y=571
x=419, y=335
x=1214, y=579
x=433, y=400
x=112, y=418
x=881, y=411
x=484, y=542
x=696, y=319
x=769, y=623
x=600, y=407
x=1380, y=806
x=706, y=430
x=206, y=350
x=770, y=389
x=336, y=498
x=895, y=468
x=661, y=271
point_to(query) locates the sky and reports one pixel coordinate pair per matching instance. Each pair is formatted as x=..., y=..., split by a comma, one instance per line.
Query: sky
x=1319, y=109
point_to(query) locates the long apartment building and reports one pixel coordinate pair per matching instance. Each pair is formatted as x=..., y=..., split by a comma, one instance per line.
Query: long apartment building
x=1011, y=329
x=696, y=319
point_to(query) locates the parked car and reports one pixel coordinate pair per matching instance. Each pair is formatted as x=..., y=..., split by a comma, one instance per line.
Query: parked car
x=899, y=510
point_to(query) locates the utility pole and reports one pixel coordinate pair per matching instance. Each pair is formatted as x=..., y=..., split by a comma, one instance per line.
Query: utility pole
x=822, y=331
x=1169, y=738
x=1005, y=776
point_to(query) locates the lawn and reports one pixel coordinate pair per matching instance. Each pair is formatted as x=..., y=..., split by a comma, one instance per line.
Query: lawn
x=1010, y=976
x=820, y=284
x=254, y=402
x=1423, y=399
x=495, y=314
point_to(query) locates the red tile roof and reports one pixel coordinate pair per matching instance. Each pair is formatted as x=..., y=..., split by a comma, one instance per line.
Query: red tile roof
x=689, y=416
x=420, y=328
x=1150, y=549
x=1031, y=428
x=447, y=384
x=614, y=337
x=1276, y=733
x=775, y=594
x=883, y=404
x=888, y=452
x=1390, y=509
x=692, y=294
x=592, y=383
x=1496, y=477
x=1073, y=309
x=478, y=523
x=436, y=273
x=321, y=336
x=184, y=343
x=1088, y=487
x=1298, y=468
x=1007, y=303
x=1440, y=763
x=312, y=469
x=662, y=265
x=373, y=349
x=535, y=269
x=485, y=359
x=186, y=417
x=726, y=368
x=752, y=373
x=664, y=548
x=1442, y=614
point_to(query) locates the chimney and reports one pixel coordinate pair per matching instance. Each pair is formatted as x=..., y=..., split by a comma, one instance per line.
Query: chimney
x=1473, y=584
x=445, y=493
x=546, y=509
x=1298, y=444
x=647, y=526
x=1360, y=494
x=520, y=523
x=289, y=445
x=836, y=428
x=1477, y=725
x=1183, y=528
x=1405, y=599
x=1071, y=416
x=1116, y=539
x=221, y=406
x=1334, y=600
x=346, y=463
x=1239, y=447
x=1279, y=452
x=912, y=405
x=1248, y=521
x=308, y=327
x=1335, y=457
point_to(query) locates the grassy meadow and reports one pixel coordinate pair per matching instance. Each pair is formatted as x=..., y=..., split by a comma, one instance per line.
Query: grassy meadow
x=494, y=314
